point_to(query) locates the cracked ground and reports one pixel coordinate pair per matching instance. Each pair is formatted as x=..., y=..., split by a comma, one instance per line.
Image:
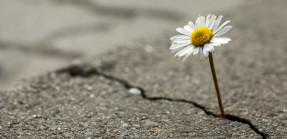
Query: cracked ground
x=140, y=90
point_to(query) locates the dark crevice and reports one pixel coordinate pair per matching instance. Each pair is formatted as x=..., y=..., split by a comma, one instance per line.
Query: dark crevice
x=88, y=71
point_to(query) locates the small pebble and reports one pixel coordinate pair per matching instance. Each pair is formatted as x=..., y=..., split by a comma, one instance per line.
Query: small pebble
x=154, y=124
x=83, y=125
x=92, y=95
x=137, y=126
x=135, y=91
x=103, y=131
x=20, y=114
x=148, y=48
x=245, y=113
x=283, y=116
x=195, y=81
x=89, y=88
x=36, y=116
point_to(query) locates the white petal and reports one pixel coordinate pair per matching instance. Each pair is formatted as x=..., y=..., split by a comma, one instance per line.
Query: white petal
x=175, y=50
x=223, y=31
x=205, y=51
x=178, y=37
x=188, y=28
x=221, y=40
x=211, y=22
x=215, y=44
x=183, y=31
x=188, y=54
x=217, y=22
x=186, y=51
x=201, y=21
x=186, y=57
x=178, y=53
x=178, y=45
x=207, y=20
x=209, y=47
x=181, y=41
x=196, y=50
x=197, y=25
x=200, y=53
x=193, y=49
x=222, y=26
x=208, y=23
x=190, y=23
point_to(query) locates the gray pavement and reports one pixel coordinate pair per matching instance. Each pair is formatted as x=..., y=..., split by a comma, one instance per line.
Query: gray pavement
x=37, y=36
x=139, y=90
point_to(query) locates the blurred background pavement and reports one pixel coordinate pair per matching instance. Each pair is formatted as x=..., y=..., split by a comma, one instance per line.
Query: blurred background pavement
x=37, y=36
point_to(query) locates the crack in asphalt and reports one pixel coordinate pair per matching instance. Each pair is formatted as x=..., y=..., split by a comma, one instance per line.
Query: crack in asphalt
x=86, y=71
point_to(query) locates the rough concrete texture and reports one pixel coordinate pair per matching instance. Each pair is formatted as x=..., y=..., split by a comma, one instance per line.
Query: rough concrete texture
x=139, y=90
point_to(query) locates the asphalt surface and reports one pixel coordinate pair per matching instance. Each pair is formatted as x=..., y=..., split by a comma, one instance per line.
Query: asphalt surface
x=142, y=91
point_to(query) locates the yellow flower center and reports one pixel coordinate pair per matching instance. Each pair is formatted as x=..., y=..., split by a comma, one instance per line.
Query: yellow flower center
x=200, y=36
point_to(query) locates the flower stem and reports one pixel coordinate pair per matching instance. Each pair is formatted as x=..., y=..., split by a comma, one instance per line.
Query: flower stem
x=216, y=85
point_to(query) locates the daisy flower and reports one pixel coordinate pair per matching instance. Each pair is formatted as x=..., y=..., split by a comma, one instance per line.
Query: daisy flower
x=200, y=38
